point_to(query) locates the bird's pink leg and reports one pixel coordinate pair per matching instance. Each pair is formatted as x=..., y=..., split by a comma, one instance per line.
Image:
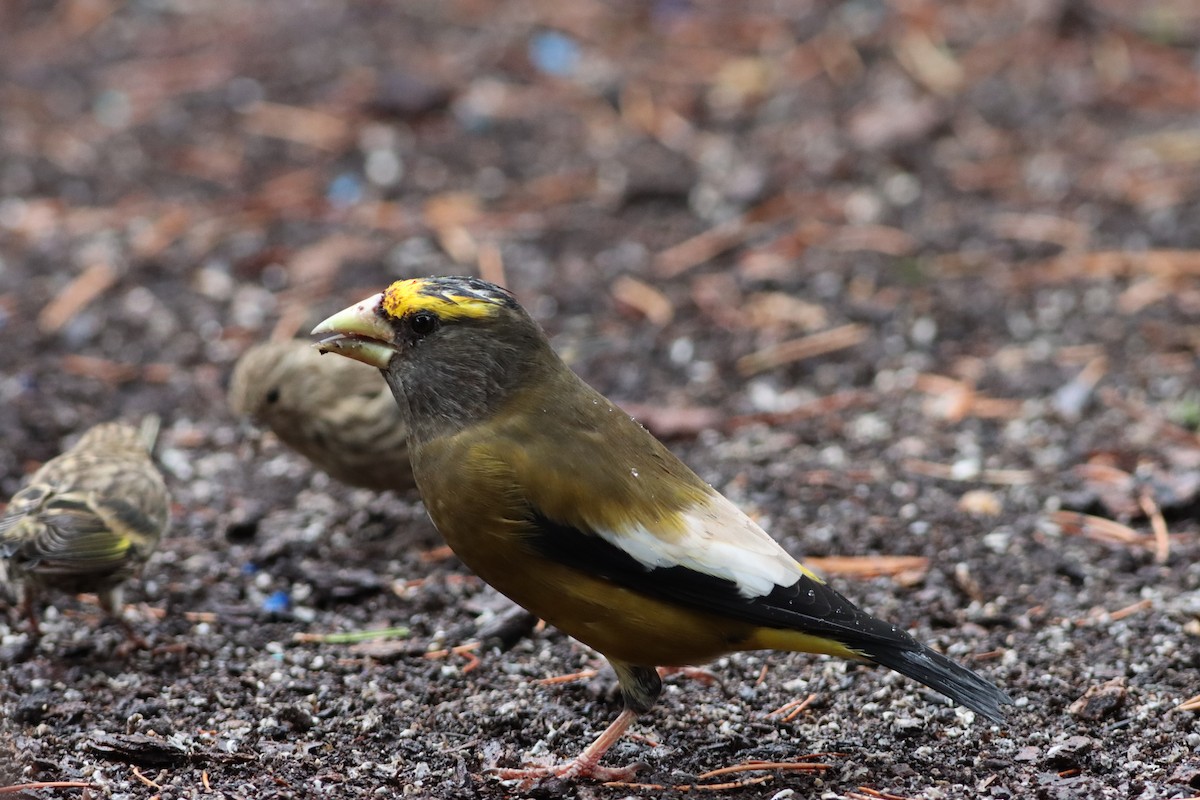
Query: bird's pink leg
x=587, y=764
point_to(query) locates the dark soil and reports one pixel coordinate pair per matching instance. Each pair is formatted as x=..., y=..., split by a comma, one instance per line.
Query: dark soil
x=1001, y=197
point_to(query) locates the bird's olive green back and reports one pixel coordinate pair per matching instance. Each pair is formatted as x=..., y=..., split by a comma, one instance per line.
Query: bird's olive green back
x=544, y=446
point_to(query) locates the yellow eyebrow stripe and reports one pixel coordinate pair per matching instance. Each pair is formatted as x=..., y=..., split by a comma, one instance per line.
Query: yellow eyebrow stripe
x=417, y=294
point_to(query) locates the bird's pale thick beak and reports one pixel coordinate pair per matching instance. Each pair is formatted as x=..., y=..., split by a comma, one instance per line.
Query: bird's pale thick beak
x=359, y=332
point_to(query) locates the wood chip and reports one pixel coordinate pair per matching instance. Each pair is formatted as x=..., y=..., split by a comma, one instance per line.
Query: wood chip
x=1158, y=524
x=1144, y=293
x=838, y=57
x=874, y=794
x=555, y=680
x=1044, y=228
x=775, y=310
x=465, y=650
x=1071, y=398
x=451, y=209
x=794, y=708
x=551, y=191
x=102, y=369
x=1166, y=264
x=1098, y=528
x=980, y=502
x=173, y=222
x=458, y=243
x=673, y=422
x=868, y=566
x=76, y=296
x=22, y=788
x=158, y=372
x=967, y=583
x=307, y=126
x=954, y=400
x=644, y=299
x=291, y=194
x=871, y=238
x=491, y=264
x=799, y=765
x=1131, y=609
x=811, y=346
x=688, y=787
x=830, y=404
x=929, y=62
x=680, y=258
x=949, y=398
x=137, y=773
x=312, y=271
x=436, y=555
x=755, y=766
x=316, y=266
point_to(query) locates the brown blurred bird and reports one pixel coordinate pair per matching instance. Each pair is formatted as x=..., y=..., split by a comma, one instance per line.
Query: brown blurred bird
x=337, y=413
x=88, y=519
x=564, y=503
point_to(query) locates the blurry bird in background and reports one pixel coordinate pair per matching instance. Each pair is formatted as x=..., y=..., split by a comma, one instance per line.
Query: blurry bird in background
x=341, y=416
x=561, y=501
x=335, y=412
x=88, y=519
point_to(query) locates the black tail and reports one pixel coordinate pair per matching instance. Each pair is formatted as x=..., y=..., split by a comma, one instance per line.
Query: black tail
x=943, y=675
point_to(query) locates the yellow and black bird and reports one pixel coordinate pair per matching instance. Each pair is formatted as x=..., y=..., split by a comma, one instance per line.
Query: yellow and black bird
x=88, y=519
x=564, y=503
x=338, y=414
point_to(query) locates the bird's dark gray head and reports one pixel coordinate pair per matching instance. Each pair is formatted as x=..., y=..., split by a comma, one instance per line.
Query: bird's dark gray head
x=451, y=348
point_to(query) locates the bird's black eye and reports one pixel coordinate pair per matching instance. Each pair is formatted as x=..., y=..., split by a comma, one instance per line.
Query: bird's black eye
x=273, y=396
x=423, y=323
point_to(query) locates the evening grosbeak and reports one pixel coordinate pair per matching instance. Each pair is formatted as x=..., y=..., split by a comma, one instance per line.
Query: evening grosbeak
x=338, y=414
x=88, y=519
x=564, y=503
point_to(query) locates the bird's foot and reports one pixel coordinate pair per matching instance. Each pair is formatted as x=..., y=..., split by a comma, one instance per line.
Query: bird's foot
x=586, y=765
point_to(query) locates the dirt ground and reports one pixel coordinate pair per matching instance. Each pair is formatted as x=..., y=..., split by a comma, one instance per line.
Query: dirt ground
x=976, y=218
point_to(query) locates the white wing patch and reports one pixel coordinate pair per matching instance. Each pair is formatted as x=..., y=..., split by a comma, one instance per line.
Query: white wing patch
x=719, y=540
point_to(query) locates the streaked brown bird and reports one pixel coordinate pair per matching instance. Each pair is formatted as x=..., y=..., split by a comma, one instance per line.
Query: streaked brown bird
x=564, y=503
x=337, y=413
x=88, y=519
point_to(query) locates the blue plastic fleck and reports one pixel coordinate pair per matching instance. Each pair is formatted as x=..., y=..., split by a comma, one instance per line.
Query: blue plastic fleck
x=345, y=190
x=277, y=602
x=554, y=53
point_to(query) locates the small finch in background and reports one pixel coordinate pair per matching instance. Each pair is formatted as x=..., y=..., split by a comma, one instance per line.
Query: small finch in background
x=337, y=413
x=88, y=520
